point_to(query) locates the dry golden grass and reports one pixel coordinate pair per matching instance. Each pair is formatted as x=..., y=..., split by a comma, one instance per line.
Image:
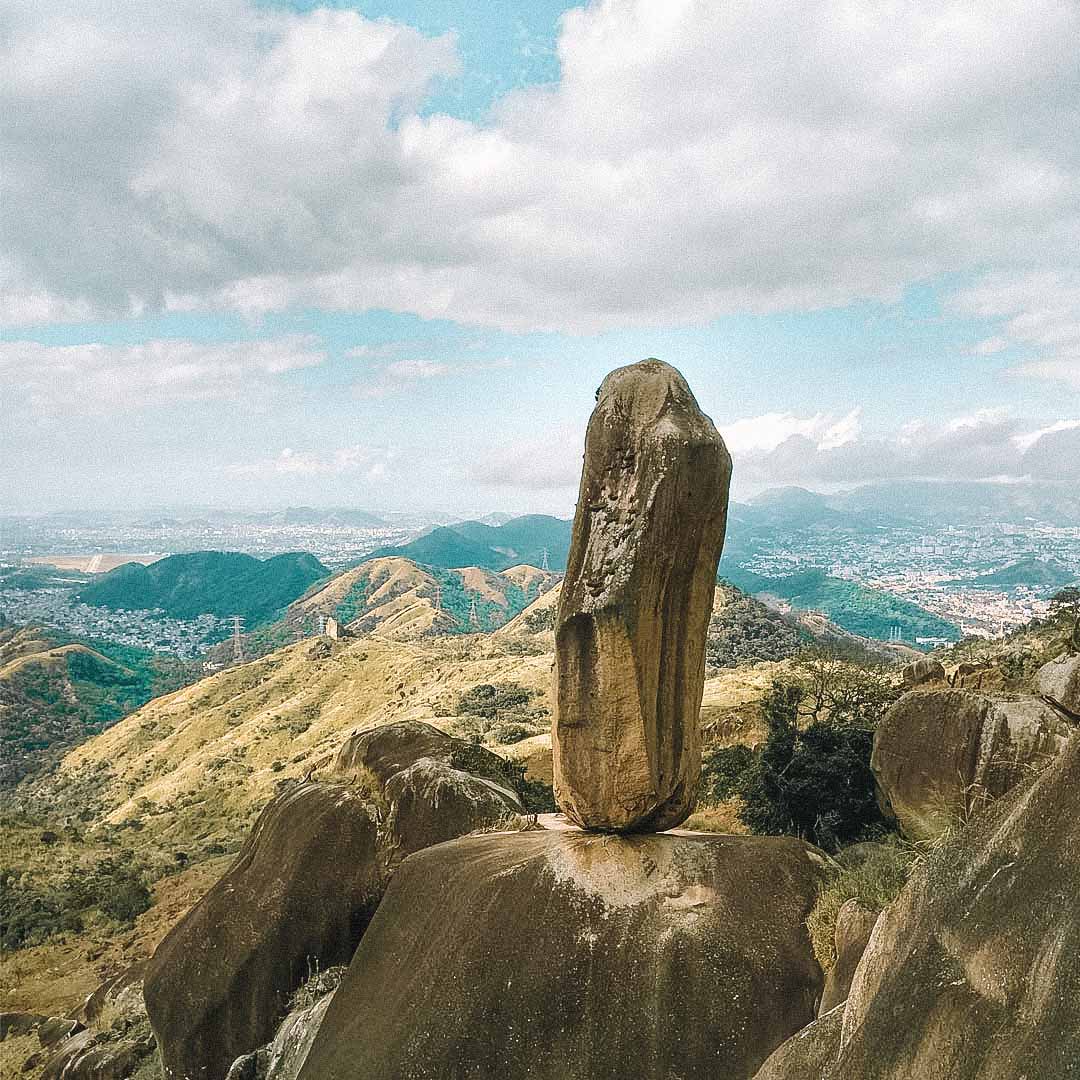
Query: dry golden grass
x=721, y=818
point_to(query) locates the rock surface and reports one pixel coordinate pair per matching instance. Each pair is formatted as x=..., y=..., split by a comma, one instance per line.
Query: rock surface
x=300, y=893
x=809, y=1054
x=1059, y=683
x=854, y=925
x=635, y=604
x=305, y=885
x=576, y=956
x=973, y=973
x=923, y=671
x=14, y=1024
x=939, y=755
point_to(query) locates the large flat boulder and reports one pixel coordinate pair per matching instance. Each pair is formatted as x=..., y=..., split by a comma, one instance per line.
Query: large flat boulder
x=635, y=604
x=940, y=755
x=973, y=973
x=1059, y=683
x=577, y=956
x=299, y=896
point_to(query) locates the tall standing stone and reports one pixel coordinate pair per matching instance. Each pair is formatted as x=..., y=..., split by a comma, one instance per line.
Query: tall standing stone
x=635, y=605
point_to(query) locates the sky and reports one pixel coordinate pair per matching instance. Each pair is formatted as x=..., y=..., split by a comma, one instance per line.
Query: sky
x=381, y=254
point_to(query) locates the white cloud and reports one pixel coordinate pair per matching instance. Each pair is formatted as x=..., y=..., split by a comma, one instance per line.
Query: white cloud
x=97, y=378
x=983, y=445
x=369, y=462
x=400, y=374
x=694, y=158
x=768, y=431
x=1038, y=313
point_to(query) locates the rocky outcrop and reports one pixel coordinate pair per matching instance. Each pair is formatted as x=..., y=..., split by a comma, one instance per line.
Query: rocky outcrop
x=854, y=925
x=809, y=1054
x=282, y=1059
x=635, y=604
x=576, y=956
x=940, y=755
x=973, y=973
x=14, y=1024
x=305, y=885
x=1059, y=683
x=923, y=671
x=299, y=895
x=91, y=1056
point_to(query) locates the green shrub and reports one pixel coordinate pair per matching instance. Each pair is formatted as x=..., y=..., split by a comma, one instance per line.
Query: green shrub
x=875, y=881
x=813, y=782
x=487, y=700
x=125, y=898
x=724, y=773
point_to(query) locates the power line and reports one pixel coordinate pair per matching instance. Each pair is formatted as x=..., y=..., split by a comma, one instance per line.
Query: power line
x=544, y=559
x=237, y=637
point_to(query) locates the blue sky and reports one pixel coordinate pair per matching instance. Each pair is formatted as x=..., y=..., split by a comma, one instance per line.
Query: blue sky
x=382, y=254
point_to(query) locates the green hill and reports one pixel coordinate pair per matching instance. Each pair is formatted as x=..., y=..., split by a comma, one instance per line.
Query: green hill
x=1044, y=575
x=56, y=691
x=856, y=608
x=492, y=547
x=219, y=583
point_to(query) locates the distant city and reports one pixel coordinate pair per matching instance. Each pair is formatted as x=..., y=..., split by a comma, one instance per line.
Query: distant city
x=985, y=577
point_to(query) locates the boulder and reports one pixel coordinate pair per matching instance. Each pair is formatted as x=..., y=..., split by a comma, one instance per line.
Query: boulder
x=431, y=802
x=923, y=671
x=298, y=896
x=56, y=1029
x=809, y=1053
x=579, y=956
x=940, y=755
x=14, y=1024
x=381, y=752
x=1059, y=683
x=973, y=973
x=854, y=925
x=635, y=604
x=87, y=1056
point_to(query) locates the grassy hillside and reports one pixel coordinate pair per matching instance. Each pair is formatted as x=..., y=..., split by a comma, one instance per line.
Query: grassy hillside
x=856, y=608
x=395, y=597
x=169, y=791
x=492, y=547
x=55, y=692
x=220, y=583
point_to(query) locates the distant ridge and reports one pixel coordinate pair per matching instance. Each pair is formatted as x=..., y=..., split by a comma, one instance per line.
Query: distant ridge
x=221, y=583
x=492, y=547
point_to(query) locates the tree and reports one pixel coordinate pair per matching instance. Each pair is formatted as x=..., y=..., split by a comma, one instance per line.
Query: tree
x=813, y=782
x=1065, y=605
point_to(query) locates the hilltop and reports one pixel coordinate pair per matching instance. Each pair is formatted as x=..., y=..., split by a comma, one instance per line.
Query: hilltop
x=1044, y=576
x=222, y=583
x=491, y=547
x=860, y=610
x=396, y=597
x=55, y=692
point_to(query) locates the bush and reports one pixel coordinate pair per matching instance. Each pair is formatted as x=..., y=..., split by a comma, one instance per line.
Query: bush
x=125, y=898
x=488, y=700
x=536, y=796
x=725, y=773
x=875, y=881
x=814, y=783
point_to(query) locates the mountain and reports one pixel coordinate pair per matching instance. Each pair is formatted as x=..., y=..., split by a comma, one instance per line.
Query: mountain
x=221, y=583
x=395, y=597
x=856, y=608
x=962, y=502
x=1045, y=576
x=493, y=547
x=56, y=691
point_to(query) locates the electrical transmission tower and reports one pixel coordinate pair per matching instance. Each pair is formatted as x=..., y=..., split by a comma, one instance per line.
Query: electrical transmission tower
x=322, y=624
x=438, y=596
x=237, y=637
x=544, y=559
x=474, y=618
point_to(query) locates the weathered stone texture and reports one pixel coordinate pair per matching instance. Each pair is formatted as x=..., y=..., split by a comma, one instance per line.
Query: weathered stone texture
x=940, y=755
x=577, y=956
x=635, y=604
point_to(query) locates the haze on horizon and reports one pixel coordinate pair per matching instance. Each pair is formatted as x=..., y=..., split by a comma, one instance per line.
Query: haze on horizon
x=381, y=254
